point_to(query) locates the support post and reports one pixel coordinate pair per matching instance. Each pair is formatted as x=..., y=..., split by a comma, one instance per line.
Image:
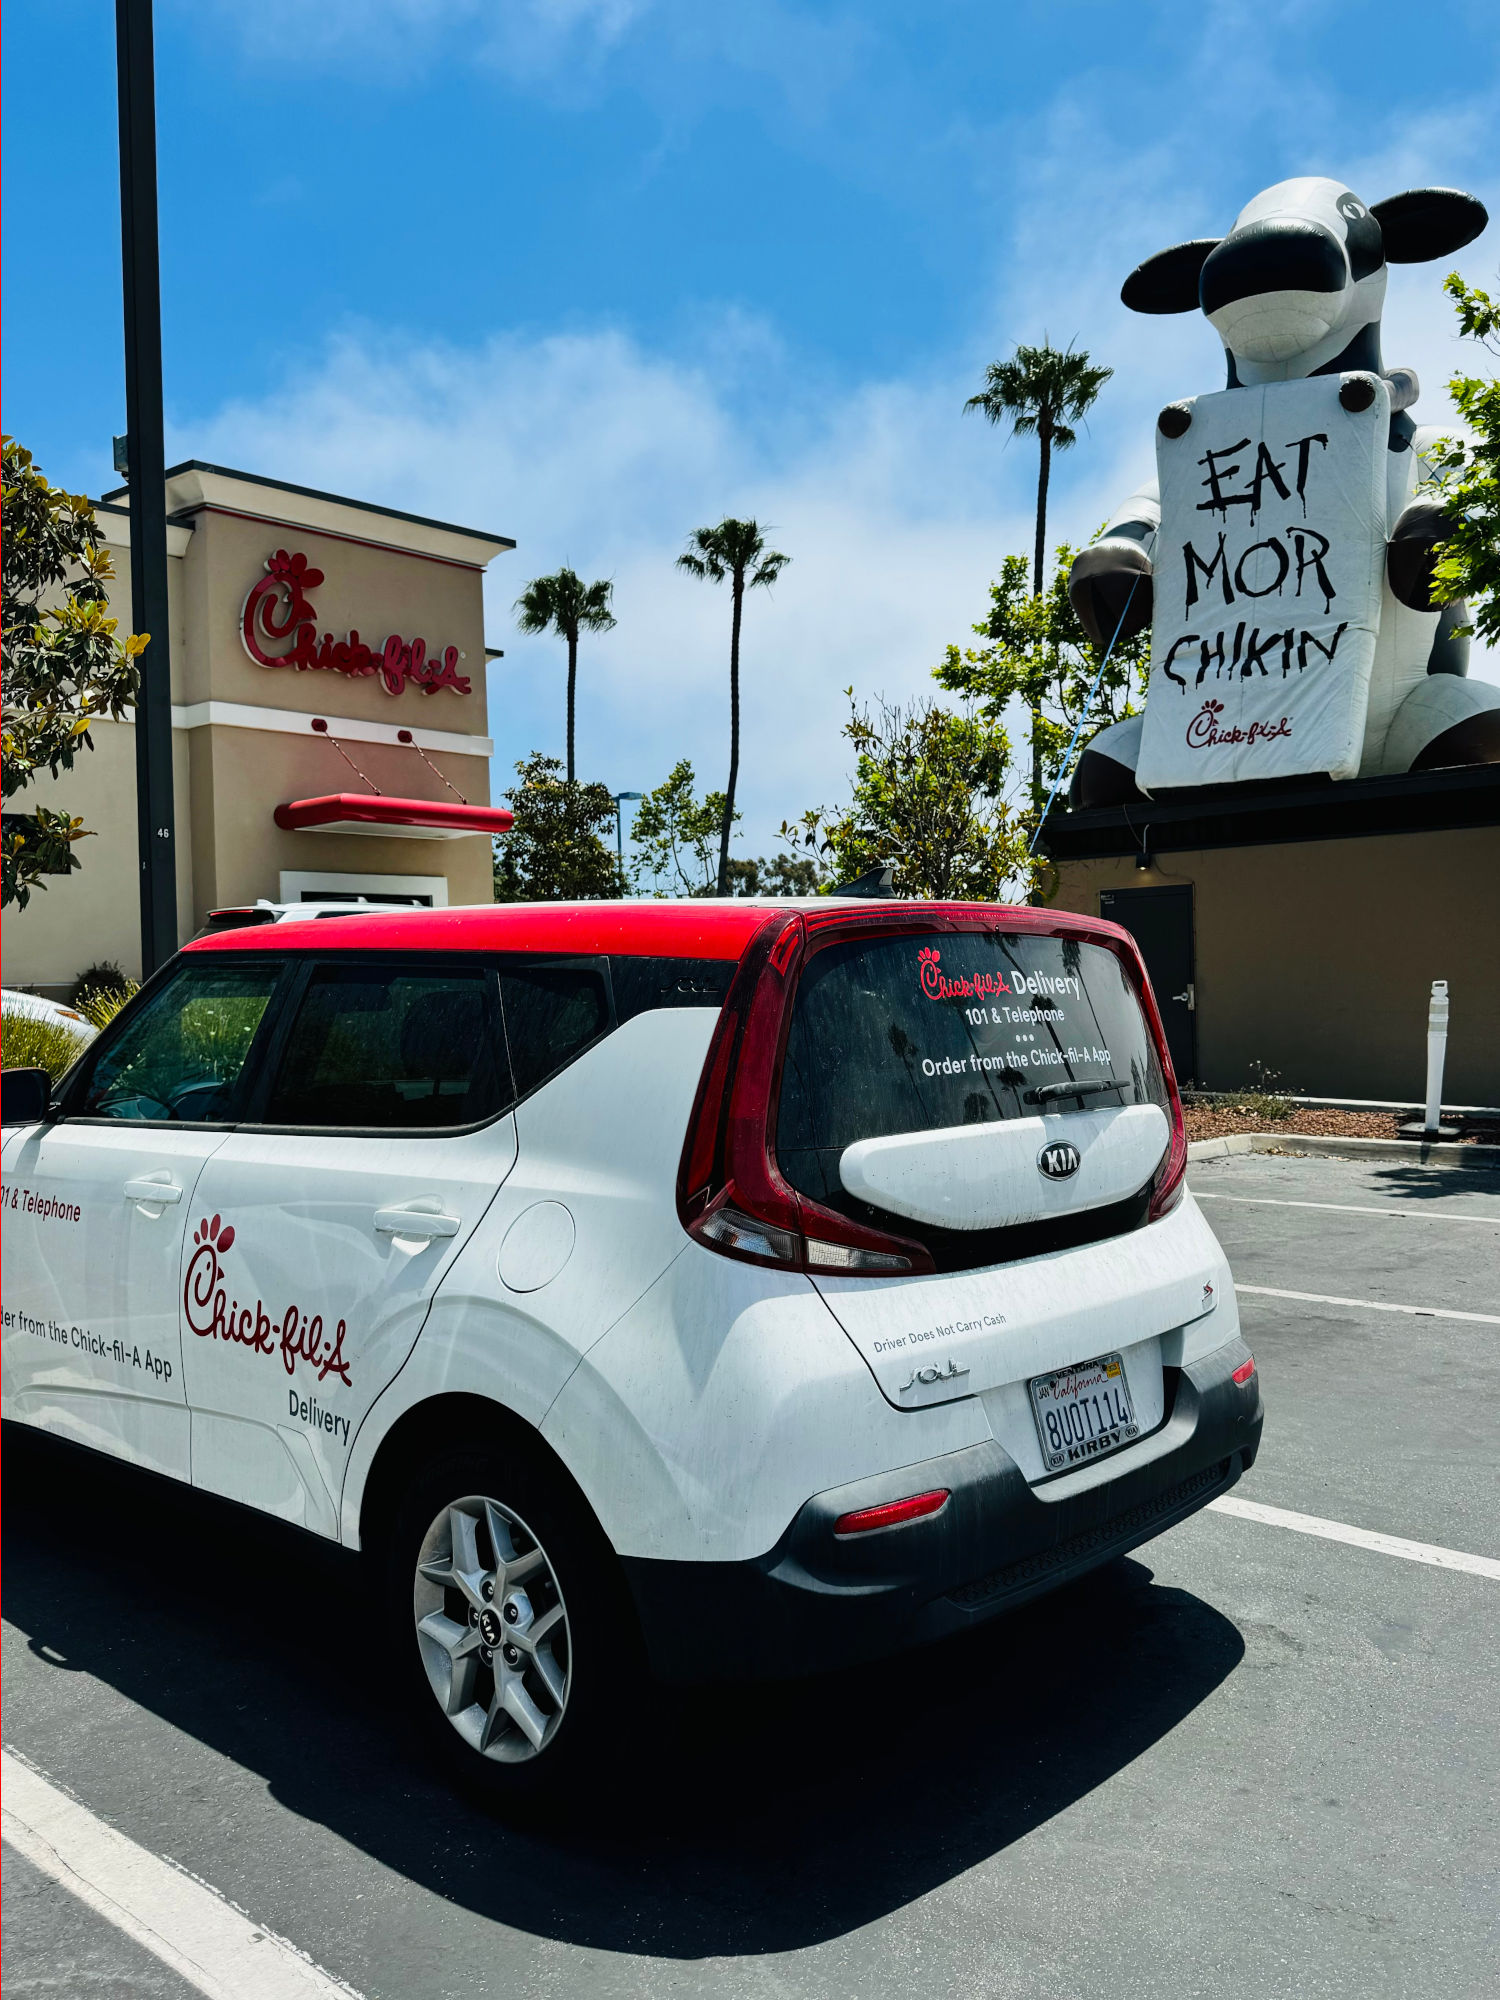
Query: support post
x=1437, y=1050
x=147, y=480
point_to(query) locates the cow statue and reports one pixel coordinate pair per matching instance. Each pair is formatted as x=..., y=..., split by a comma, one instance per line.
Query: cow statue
x=1283, y=555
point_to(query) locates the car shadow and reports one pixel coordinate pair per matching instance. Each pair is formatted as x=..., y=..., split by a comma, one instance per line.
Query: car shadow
x=762, y=1819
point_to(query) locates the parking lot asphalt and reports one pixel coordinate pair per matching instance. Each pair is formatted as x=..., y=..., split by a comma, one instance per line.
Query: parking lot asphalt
x=1243, y=1759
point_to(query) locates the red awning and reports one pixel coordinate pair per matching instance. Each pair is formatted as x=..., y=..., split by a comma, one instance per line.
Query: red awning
x=372, y=812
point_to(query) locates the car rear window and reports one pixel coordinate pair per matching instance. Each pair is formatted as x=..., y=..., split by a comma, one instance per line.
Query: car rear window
x=923, y=1033
x=552, y=1014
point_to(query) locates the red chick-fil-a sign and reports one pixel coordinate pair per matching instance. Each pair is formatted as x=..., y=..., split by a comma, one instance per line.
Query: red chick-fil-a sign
x=277, y=613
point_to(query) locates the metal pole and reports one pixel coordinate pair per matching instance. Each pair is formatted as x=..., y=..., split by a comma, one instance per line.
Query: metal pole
x=148, y=483
x=619, y=798
x=1437, y=1049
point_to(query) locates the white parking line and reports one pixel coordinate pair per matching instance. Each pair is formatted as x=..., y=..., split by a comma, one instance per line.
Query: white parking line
x=1359, y=1538
x=1346, y=1208
x=216, y=1948
x=1370, y=1305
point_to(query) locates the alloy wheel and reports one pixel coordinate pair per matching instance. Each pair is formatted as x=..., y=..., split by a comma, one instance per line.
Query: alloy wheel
x=492, y=1629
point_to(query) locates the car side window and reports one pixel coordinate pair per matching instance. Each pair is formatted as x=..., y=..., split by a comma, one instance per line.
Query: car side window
x=552, y=1013
x=394, y=1047
x=178, y=1059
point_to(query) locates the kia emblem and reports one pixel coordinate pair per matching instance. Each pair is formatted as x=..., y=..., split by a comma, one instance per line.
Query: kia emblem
x=1059, y=1162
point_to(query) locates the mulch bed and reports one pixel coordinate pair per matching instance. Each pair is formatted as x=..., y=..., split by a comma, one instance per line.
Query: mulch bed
x=1222, y=1121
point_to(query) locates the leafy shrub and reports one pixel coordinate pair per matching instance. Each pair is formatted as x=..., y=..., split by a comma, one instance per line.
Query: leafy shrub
x=100, y=1006
x=27, y=1043
x=105, y=977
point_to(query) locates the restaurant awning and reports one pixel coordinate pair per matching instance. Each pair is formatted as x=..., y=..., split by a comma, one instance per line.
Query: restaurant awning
x=373, y=812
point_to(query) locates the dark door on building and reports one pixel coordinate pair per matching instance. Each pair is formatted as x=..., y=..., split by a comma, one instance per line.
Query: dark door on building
x=1161, y=922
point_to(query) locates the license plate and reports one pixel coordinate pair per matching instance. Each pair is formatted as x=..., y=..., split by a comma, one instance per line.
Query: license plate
x=1082, y=1412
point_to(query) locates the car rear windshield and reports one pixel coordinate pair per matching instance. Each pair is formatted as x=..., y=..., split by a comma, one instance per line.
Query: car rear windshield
x=923, y=1033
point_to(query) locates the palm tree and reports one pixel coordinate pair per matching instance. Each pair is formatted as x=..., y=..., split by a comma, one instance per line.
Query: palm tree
x=1041, y=392
x=737, y=550
x=566, y=605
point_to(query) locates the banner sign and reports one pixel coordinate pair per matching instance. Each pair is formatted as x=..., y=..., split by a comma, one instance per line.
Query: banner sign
x=1268, y=573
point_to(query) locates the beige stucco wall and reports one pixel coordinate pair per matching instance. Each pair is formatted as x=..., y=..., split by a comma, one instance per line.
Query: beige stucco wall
x=376, y=590
x=228, y=777
x=1316, y=958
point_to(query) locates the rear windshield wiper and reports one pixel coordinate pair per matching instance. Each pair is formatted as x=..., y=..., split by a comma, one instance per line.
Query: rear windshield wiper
x=1045, y=1091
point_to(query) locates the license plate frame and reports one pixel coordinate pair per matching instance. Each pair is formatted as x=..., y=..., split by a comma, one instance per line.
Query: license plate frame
x=1078, y=1398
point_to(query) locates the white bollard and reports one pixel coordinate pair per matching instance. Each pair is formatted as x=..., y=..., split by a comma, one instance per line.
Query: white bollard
x=1437, y=1049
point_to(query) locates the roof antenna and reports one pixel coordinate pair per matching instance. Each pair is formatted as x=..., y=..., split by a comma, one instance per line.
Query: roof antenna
x=875, y=882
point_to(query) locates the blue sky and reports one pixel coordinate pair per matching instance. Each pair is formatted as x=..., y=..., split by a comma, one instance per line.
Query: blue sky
x=591, y=272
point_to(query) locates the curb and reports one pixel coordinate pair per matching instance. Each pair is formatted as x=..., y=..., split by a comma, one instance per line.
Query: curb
x=1301, y=1145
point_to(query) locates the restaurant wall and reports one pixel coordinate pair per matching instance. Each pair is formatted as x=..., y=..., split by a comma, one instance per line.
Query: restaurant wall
x=243, y=741
x=1316, y=958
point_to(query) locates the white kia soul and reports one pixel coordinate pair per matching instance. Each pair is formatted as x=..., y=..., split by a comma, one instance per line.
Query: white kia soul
x=741, y=1287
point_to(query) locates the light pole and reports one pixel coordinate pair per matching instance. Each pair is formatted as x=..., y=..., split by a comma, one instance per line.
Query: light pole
x=146, y=473
x=619, y=798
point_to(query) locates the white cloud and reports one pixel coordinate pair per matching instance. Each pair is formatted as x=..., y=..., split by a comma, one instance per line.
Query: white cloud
x=590, y=451
x=525, y=38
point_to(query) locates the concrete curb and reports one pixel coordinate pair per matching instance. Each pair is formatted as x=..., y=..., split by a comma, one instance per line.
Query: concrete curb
x=1475, y=1158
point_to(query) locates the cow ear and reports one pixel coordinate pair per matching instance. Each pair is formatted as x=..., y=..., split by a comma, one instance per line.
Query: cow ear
x=1425, y=223
x=1168, y=282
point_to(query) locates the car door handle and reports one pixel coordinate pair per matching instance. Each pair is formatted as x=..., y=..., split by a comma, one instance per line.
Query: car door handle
x=415, y=1222
x=162, y=1194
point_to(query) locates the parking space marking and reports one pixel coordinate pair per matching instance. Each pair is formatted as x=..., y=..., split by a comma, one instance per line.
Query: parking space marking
x=216, y=1948
x=1346, y=1208
x=1370, y=1305
x=1359, y=1538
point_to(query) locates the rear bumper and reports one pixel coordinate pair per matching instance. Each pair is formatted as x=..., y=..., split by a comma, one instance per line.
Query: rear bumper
x=816, y=1601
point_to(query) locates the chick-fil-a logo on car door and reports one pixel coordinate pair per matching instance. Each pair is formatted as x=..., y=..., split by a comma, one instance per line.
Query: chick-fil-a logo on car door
x=937, y=986
x=277, y=609
x=213, y=1315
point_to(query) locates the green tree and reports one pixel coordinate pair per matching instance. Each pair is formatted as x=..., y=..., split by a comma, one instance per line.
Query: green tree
x=736, y=550
x=1038, y=653
x=1041, y=392
x=566, y=605
x=556, y=852
x=928, y=797
x=1468, y=474
x=677, y=836
x=61, y=668
x=785, y=875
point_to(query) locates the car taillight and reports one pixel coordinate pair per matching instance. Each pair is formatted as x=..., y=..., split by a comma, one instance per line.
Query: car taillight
x=1244, y=1372
x=730, y=1192
x=892, y=1513
x=1167, y=1188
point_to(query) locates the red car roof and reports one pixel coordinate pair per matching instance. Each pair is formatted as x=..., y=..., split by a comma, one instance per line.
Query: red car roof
x=687, y=929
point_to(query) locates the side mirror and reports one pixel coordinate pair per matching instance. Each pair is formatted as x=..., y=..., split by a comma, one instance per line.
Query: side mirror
x=25, y=1095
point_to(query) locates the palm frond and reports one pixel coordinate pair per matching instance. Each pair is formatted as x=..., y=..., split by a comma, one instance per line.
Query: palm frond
x=1041, y=390
x=565, y=604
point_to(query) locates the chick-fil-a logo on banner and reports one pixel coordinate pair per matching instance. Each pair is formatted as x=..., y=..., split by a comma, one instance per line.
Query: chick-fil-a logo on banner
x=213, y=1315
x=277, y=611
x=937, y=986
x=1204, y=730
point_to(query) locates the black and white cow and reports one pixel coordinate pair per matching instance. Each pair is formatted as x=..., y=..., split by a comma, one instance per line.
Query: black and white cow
x=1295, y=290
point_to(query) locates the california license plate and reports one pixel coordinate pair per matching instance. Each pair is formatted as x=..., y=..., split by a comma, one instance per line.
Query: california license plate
x=1082, y=1412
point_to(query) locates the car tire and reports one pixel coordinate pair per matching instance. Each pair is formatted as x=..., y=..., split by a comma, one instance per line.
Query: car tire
x=514, y=1643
